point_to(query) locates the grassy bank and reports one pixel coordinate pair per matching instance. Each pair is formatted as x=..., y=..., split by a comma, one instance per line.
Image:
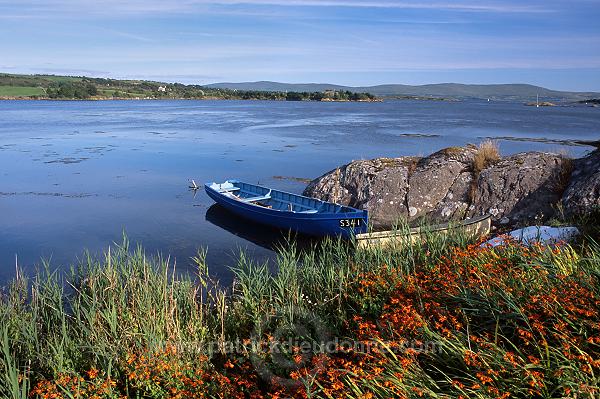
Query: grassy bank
x=87, y=88
x=25, y=91
x=443, y=319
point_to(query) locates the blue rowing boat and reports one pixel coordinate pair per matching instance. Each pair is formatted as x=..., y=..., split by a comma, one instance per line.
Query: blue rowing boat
x=288, y=211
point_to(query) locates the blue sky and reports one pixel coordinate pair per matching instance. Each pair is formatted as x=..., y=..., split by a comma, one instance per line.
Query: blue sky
x=551, y=43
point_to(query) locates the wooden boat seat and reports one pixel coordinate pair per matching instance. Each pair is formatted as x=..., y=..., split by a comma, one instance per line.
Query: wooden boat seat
x=254, y=199
x=257, y=198
x=229, y=190
x=309, y=211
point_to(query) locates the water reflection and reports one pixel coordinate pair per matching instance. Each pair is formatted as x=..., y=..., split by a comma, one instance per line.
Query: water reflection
x=258, y=234
x=75, y=175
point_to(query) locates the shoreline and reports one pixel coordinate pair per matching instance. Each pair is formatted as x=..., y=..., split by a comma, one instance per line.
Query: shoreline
x=182, y=98
x=326, y=100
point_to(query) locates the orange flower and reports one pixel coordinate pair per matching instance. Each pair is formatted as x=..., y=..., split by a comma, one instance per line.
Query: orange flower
x=92, y=373
x=228, y=364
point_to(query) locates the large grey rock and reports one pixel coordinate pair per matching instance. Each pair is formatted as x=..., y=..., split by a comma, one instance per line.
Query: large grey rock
x=378, y=185
x=521, y=188
x=402, y=188
x=517, y=189
x=439, y=187
x=583, y=192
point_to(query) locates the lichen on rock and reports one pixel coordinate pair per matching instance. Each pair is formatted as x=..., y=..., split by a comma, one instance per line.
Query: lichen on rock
x=445, y=186
x=583, y=191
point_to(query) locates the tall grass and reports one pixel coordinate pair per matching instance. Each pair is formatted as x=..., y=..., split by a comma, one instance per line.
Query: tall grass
x=487, y=154
x=129, y=324
x=97, y=312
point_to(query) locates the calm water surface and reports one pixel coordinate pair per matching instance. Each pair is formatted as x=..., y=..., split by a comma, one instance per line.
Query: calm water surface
x=76, y=175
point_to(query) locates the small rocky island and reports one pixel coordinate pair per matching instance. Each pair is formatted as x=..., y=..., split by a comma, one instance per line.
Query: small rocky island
x=461, y=182
x=541, y=104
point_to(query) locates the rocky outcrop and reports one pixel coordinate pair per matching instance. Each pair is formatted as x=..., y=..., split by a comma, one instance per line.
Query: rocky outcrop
x=379, y=185
x=583, y=191
x=447, y=185
x=522, y=187
x=439, y=187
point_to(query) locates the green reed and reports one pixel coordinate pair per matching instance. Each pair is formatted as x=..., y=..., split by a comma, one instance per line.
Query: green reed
x=106, y=308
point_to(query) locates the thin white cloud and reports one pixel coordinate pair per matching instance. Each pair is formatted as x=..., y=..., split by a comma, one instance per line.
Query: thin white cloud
x=174, y=78
x=68, y=71
x=475, y=6
x=126, y=35
x=159, y=6
x=21, y=16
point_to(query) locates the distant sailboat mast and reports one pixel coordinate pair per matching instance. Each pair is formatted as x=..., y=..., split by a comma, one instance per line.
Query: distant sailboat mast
x=537, y=100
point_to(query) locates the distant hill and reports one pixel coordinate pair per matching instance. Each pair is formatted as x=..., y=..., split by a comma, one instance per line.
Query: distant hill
x=446, y=90
x=81, y=87
x=18, y=86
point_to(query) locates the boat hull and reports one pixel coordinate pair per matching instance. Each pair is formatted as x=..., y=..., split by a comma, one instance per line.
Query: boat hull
x=314, y=224
x=471, y=228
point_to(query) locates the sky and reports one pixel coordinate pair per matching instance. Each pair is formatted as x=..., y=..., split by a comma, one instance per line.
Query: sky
x=551, y=43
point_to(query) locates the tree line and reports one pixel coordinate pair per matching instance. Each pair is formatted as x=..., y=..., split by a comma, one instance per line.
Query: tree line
x=81, y=88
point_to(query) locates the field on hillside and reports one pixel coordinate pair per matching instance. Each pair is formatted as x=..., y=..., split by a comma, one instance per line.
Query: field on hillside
x=84, y=88
x=16, y=91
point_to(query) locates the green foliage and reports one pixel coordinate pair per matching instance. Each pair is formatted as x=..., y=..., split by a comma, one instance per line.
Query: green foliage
x=292, y=96
x=105, y=308
x=66, y=87
x=21, y=91
x=72, y=90
x=92, y=319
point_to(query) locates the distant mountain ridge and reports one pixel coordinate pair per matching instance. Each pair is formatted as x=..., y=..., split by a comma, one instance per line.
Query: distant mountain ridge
x=446, y=90
x=22, y=86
